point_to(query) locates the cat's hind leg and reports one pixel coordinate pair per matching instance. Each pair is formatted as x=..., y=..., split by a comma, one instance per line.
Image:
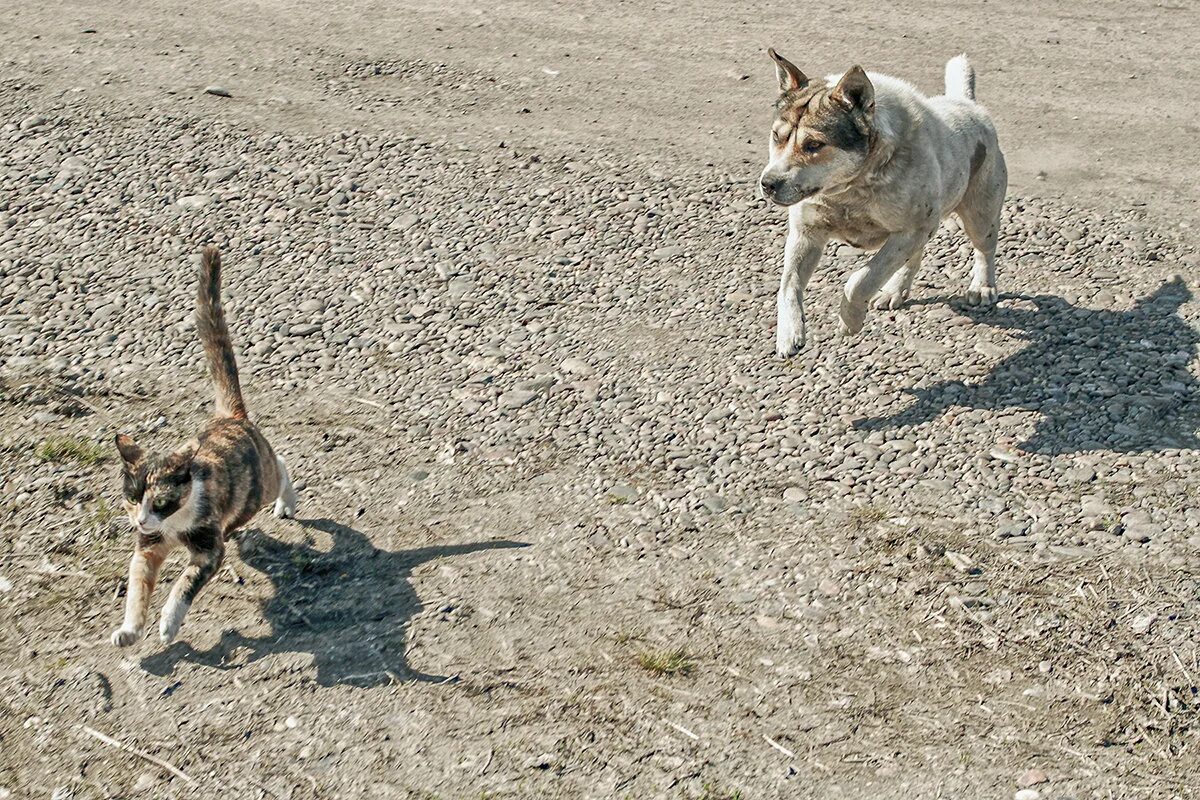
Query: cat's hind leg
x=285, y=504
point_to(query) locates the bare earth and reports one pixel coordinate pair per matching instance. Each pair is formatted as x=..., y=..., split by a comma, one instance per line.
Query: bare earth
x=504, y=299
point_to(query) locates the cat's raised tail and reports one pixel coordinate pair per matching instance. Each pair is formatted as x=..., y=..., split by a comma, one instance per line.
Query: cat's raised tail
x=214, y=335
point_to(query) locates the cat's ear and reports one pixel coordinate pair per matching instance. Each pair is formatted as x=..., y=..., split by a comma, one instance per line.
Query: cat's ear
x=180, y=459
x=187, y=450
x=130, y=452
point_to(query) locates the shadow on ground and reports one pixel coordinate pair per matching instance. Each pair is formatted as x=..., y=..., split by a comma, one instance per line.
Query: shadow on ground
x=347, y=607
x=1111, y=380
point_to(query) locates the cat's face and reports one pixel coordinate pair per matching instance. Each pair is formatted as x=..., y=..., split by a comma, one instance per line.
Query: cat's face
x=154, y=488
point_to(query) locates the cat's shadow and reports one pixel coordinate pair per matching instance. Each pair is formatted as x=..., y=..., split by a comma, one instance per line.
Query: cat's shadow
x=348, y=607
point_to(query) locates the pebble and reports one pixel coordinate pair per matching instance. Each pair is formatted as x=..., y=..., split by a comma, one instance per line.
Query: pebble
x=194, y=202
x=219, y=91
x=516, y=398
x=576, y=366
x=1032, y=777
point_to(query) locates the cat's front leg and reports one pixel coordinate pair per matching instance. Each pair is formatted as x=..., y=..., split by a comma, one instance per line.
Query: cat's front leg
x=143, y=576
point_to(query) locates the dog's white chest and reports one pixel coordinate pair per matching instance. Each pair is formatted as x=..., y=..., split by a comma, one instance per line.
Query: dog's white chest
x=846, y=224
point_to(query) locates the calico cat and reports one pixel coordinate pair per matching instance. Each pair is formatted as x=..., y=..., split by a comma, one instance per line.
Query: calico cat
x=195, y=496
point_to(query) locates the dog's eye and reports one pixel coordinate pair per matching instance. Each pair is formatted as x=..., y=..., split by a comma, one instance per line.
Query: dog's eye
x=813, y=146
x=777, y=137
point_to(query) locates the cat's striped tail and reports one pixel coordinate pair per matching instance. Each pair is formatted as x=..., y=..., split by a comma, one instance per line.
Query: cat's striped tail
x=214, y=335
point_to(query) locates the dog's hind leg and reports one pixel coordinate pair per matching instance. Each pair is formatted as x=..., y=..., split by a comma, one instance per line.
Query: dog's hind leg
x=895, y=291
x=983, y=235
x=979, y=213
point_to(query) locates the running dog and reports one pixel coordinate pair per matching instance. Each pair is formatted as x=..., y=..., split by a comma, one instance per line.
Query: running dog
x=868, y=160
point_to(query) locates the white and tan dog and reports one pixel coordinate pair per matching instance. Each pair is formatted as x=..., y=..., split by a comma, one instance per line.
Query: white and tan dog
x=868, y=160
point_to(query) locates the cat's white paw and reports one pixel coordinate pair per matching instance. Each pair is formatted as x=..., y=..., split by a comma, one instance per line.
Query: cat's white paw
x=123, y=637
x=172, y=618
x=285, y=510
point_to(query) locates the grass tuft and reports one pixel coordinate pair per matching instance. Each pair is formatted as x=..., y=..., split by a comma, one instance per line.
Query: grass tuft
x=71, y=449
x=103, y=514
x=863, y=517
x=666, y=662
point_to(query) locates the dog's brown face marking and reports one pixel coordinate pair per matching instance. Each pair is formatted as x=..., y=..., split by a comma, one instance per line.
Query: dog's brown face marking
x=820, y=135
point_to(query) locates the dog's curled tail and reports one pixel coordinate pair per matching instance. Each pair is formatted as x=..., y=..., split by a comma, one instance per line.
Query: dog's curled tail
x=960, y=78
x=214, y=336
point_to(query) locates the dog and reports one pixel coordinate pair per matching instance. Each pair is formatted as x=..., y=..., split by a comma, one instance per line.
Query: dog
x=866, y=159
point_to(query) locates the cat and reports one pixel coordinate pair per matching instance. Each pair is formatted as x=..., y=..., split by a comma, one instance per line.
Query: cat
x=195, y=496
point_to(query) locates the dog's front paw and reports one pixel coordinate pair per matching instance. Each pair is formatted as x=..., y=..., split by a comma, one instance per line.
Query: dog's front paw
x=790, y=329
x=283, y=510
x=123, y=637
x=789, y=340
x=982, y=295
x=852, y=315
x=889, y=299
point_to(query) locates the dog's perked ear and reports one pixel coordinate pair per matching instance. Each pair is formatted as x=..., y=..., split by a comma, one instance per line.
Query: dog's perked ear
x=790, y=76
x=855, y=90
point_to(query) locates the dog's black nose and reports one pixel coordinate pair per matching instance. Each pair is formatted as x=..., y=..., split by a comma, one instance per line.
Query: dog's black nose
x=769, y=185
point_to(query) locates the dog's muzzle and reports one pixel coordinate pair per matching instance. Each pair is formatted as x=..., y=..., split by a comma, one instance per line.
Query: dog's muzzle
x=776, y=190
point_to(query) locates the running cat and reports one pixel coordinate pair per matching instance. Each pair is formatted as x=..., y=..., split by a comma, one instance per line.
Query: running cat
x=195, y=496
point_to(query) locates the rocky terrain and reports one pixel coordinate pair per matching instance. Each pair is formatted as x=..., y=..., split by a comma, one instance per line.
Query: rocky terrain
x=567, y=527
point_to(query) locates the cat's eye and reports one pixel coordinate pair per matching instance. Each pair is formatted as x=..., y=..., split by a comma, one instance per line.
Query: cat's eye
x=159, y=504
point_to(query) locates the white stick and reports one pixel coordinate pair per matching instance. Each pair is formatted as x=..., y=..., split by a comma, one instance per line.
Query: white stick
x=682, y=730
x=779, y=747
x=111, y=742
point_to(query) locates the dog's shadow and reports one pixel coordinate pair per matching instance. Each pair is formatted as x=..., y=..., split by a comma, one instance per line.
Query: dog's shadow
x=347, y=607
x=1113, y=380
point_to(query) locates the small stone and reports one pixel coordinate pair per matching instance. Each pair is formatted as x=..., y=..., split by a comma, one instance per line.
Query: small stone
x=544, y=761
x=1009, y=530
x=1141, y=624
x=961, y=562
x=1080, y=474
x=622, y=493
x=307, y=329
x=1027, y=794
x=143, y=784
x=194, y=202
x=33, y=121
x=219, y=91
x=794, y=494
x=1032, y=777
x=219, y=174
x=516, y=398
x=576, y=366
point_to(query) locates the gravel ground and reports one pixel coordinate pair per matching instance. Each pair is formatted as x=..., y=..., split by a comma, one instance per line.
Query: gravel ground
x=567, y=527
